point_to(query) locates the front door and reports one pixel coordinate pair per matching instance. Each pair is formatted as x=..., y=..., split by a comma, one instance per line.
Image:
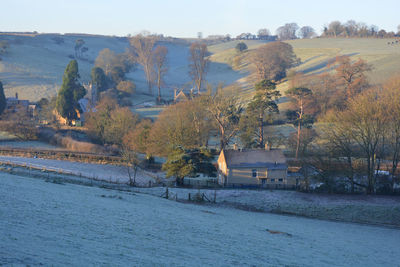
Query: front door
x=263, y=182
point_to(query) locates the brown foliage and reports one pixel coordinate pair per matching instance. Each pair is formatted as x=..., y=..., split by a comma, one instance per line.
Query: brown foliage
x=109, y=123
x=19, y=123
x=137, y=139
x=183, y=124
x=351, y=75
x=127, y=87
x=272, y=60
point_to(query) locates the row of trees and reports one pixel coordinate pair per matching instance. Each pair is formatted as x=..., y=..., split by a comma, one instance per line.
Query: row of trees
x=366, y=133
x=355, y=29
x=351, y=28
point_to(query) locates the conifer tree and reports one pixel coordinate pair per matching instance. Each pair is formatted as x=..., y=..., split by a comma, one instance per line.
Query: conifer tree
x=70, y=92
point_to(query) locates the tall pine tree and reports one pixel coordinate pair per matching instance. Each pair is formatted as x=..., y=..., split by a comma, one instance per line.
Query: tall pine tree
x=70, y=92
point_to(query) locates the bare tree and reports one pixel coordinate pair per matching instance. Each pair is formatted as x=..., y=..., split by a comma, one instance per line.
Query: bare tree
x=226, y=111
x=299, y=97
x=287, y=31
x=335, y=28
x=306, y=32
x=391, y=102
x=107, y=60
x=143, y=53
x=352, y=75
x=263, y=33
x=132, y=161
x=160, y=64
x=199, y=62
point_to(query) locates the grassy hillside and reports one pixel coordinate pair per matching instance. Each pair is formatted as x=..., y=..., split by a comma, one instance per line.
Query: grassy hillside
x=316, y=53
x=34, y=64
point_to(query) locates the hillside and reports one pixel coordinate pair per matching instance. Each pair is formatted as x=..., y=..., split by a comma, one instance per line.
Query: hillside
x=316, y=53
x=34, y=64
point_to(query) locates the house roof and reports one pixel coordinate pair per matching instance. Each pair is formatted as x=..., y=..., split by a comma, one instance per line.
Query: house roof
x=255, y=158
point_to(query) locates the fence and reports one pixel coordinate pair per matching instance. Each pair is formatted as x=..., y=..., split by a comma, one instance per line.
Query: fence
x=191, y=197
x=263, y=186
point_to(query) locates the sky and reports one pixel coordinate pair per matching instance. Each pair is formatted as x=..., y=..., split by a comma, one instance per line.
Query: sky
x=185, y=18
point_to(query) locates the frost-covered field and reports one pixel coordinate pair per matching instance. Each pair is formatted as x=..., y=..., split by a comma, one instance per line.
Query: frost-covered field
x=109, y=173
x=29, y=144
x=50, y=224
x=382, y=210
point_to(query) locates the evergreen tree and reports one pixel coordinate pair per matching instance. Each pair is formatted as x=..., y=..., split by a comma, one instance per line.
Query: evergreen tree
x=183, y=162
x=263, y=101
x=3, y=101
x=70, y=92
x=99, y=79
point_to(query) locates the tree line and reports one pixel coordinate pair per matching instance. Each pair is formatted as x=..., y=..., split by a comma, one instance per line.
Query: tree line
x=334, y=29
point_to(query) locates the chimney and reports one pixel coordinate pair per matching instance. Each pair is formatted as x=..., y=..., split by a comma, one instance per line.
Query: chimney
x=16, y=95
x=267, y=146
x=235, y=147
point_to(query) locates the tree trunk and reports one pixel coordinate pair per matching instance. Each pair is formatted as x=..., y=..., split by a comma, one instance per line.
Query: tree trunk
x=261, y=130
x=349, y=163
x=298, y=140
x=134, y=175
x=222, y=138
x=159, y=86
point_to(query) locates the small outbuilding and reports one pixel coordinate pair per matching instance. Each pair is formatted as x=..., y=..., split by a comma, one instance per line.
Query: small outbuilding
x=253, y=167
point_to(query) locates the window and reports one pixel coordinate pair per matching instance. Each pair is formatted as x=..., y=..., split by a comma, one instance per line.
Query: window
x=254, y=173
x=272, y=180
x=280, y=180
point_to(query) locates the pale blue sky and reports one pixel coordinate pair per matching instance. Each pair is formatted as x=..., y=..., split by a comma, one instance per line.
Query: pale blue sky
x=182, y=18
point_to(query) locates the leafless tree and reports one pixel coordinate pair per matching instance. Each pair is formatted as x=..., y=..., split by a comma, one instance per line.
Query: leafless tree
x=199, y=62
x=143, y=53
x=263, y=33
x=287, y=31
x=160, y=64
x=306, y=32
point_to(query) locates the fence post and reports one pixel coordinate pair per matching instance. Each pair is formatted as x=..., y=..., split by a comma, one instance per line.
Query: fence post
x=215, y=196
x=166, y=192
x=189, y=197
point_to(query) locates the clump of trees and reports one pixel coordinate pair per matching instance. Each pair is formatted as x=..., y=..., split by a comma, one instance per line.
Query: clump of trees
x=272, y=60
x=152, y=58
x=354, y=29
x=109, y=123
x=367, y=129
